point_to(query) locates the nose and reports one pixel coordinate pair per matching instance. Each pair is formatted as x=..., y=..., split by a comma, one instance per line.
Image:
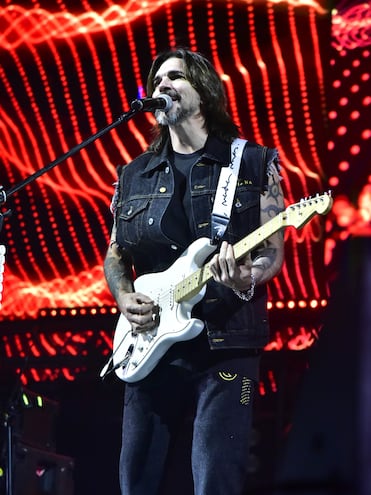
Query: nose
x=164, y=84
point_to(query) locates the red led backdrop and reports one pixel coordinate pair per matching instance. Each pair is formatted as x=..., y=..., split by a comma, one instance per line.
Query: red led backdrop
x=349, y=117
x=70, y=68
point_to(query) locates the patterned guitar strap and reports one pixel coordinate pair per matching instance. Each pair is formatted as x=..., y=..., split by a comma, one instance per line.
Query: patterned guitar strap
x=226, y=191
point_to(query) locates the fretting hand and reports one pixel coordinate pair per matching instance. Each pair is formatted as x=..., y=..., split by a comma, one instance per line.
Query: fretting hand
x=226, y=270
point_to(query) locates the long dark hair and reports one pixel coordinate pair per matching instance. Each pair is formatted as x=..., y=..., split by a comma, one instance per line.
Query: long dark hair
x=206, y=81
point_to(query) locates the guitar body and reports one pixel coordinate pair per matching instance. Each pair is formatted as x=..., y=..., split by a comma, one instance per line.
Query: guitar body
x=140, y=353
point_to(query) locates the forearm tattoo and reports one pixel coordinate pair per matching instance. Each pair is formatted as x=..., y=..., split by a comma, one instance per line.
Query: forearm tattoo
x=118, y=274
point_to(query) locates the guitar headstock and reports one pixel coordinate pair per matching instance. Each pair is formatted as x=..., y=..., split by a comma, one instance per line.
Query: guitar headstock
x=300, y=213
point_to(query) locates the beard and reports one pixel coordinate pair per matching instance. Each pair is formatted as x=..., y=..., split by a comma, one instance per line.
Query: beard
x=175, y=117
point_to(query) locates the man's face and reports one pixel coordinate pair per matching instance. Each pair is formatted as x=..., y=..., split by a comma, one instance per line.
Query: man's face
x=170, y=79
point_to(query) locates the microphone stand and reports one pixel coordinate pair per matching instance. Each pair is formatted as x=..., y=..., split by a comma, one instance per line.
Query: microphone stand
x=125, y=117
x=4, y=195
x=7, y=423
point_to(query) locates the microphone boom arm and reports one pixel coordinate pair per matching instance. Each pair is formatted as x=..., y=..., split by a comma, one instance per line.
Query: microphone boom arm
x=4, y=195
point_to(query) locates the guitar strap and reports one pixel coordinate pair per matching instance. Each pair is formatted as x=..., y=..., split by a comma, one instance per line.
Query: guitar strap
x=225, y=192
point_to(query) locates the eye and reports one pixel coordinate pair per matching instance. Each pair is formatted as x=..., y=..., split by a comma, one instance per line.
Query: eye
x=156, y=82
x=173, y=75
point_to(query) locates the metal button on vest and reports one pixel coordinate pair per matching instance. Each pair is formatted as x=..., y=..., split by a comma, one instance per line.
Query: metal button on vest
x=130, y=210
x=167, y=170
x=162, y=189
x=150, y=221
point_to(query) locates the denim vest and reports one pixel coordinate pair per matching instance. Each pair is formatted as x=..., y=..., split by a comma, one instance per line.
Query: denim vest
x=144, y=198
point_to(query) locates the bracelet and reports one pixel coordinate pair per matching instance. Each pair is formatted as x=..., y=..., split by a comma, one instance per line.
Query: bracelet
x=248, y=294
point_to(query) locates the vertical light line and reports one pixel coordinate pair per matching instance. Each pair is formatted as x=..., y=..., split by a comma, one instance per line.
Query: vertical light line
x=321, y=83
x=246, y=77
x=150, y=35
x=170, y=25
x=191, y=27
x=124, y=152
x=218, y=66
x=139, y=83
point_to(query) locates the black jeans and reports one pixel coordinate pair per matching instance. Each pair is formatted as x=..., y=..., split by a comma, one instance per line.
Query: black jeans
x=210, y=390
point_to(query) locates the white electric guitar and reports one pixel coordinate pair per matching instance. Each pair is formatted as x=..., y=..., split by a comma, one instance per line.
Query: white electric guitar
x=177, y=289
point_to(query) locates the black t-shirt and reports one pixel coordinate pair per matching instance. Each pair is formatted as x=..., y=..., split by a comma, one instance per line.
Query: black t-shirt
x=178, y=218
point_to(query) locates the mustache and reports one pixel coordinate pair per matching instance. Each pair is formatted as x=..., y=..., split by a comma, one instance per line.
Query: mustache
x=173, y=95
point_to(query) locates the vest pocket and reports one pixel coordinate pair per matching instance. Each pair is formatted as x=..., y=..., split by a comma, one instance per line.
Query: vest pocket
x=245, y=214
x=130, y=209
x=243, y=202
x=131, y=215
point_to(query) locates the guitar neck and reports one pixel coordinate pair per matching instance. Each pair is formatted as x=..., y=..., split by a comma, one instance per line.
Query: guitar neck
x=191, y=285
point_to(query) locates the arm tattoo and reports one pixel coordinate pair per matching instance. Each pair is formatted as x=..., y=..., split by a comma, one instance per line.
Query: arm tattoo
x=118, y=274
x=274, y=193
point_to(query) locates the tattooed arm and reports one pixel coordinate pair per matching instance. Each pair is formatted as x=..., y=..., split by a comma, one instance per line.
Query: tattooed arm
x=117, y=269
x=137, y=308
x=268, y=261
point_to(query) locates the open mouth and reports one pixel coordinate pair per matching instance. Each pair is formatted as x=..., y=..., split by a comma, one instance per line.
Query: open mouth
x=174, y=96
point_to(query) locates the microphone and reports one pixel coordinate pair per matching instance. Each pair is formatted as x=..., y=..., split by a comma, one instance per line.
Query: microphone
x=162, y=102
